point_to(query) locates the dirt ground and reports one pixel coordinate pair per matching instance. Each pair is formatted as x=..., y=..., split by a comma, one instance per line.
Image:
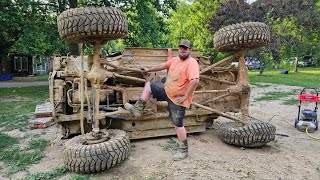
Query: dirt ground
x=286, y=158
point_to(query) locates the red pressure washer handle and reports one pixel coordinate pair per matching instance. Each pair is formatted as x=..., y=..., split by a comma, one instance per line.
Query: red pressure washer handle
x=308, y=97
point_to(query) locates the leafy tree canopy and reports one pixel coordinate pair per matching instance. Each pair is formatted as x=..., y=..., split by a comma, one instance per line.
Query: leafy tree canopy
x=146, y=19
x=29, y=27
x=294, y=24
x=191, y=21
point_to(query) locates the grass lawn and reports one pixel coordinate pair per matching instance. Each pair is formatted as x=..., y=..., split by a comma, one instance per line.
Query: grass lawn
x=17, y=104
x=43, y=77
x=306, y=77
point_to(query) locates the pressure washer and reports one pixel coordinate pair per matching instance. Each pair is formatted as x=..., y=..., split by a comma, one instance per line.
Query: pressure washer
x=307, y=118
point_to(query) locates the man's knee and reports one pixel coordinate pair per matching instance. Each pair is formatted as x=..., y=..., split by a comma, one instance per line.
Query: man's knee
x=179, y=128
x=147, y=86
x=178, y=123
x=177, y=115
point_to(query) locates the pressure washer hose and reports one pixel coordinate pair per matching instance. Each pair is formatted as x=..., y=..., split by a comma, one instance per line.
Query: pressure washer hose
x=316, y=138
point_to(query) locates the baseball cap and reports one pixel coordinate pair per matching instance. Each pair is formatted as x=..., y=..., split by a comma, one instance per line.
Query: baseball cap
x=186, y=43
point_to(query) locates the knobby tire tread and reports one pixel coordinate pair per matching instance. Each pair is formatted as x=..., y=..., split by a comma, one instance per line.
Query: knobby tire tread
x=96, y=157
x=79, y=25
x=256, y=134
x=241, y=36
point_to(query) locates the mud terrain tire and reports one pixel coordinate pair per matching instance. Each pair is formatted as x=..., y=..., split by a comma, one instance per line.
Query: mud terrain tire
x=236, y=37
x=83, y=158
x=257, y=133
x=91, y=24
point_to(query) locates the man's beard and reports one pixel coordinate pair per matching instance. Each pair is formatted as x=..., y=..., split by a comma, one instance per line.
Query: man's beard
x=183, y=57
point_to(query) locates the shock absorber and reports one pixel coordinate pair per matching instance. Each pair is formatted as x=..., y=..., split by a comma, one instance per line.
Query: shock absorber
x=59, y=95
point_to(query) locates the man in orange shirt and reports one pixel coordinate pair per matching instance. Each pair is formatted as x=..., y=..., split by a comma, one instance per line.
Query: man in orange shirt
x=178, y=91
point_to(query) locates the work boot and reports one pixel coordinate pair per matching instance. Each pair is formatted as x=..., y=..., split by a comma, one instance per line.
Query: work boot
x=135, y=109
x=182, y=152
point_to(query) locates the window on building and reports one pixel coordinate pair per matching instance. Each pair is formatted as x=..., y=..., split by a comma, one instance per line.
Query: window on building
x=21, y=63
x=42, y=64
x=41, y=67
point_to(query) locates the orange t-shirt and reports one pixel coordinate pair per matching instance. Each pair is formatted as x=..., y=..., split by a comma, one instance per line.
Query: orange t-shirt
x=179, y=75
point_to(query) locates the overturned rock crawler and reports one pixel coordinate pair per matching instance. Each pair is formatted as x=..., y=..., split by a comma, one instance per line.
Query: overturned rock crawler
x=88, y=93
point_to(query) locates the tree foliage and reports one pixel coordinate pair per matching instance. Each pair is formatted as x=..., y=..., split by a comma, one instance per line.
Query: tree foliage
x=30, y=27
x=147, y=27
x=230, y=12
x=191, y=21
x=294, y=25
x=146, y=19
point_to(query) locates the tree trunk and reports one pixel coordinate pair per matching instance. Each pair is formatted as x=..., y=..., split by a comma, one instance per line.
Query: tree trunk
x=73, y=3
x=262, y=63
x=276, y=57
x=296, y=64
x=73, y=47
x=62, y=5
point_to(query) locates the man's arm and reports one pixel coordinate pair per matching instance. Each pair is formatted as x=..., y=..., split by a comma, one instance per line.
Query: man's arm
x=158, y=67
x=192, y=87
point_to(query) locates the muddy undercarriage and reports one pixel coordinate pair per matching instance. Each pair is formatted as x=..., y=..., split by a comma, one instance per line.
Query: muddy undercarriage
x=126, y=85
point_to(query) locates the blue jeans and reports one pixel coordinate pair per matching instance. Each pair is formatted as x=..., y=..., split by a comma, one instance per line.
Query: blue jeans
x=176, y=112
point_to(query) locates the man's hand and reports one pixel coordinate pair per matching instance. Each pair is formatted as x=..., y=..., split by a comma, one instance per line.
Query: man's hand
x=181, y=99
x=145, y=72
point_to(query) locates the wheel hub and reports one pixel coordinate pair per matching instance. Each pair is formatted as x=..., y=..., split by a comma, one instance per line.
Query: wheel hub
x=96, y=137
